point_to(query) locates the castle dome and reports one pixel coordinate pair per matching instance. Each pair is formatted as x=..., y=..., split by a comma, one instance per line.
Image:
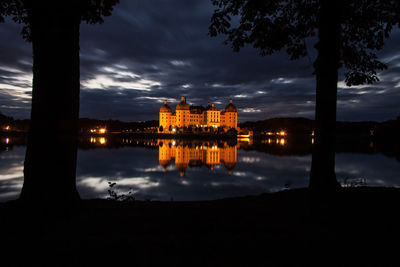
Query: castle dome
x=165, y=108
x=230, y=107
x=230, y=166
x=182, y=105
x=181, y=167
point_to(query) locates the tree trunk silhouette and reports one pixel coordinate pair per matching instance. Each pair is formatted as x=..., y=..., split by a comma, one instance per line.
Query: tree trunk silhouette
x=322, y=176
x=50, y=161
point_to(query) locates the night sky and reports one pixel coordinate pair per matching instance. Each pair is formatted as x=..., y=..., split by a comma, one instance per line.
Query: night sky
x=148, y=51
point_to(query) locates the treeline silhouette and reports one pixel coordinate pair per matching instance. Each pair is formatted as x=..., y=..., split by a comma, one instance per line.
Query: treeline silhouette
x=386, y=130
x=304, y=126
x=84, y=124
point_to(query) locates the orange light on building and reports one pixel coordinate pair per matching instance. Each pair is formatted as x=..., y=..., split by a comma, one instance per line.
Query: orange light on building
x=196, y=116
x=283, y=142
x=7, y=128
x=102, y=130
x=102, y=140
x=282, y=133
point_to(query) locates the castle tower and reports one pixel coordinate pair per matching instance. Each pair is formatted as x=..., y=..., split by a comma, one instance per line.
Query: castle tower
x=164, y=154
x=230, y=158
x=213, y=116
x=181, y=159
x=231, y=115
x=213, y=156
x=182, y=113
x=165, y=119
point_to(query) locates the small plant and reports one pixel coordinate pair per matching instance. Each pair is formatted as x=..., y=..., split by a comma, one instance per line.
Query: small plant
x=115, y=195
x=288, y=184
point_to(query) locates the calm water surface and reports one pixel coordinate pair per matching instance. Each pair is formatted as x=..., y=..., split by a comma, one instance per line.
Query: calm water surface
x=197, y=170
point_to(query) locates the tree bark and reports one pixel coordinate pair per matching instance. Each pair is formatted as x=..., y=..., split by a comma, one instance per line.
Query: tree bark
x=50, y=161
x=322, y=176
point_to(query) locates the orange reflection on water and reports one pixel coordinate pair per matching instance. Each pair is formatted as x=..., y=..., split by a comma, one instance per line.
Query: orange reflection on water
x=278, y=141
x=98, y=140
x=189, y=154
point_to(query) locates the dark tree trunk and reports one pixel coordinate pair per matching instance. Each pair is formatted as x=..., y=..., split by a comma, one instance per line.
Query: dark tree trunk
x=322, y=177
x=50, y=162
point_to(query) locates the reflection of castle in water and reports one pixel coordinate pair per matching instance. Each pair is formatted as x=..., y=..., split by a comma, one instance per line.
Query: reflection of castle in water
x=196, y=155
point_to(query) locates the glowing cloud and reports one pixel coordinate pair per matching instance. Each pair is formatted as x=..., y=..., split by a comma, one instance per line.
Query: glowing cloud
x=251, y=110
x=282, y=81
x=103, y=81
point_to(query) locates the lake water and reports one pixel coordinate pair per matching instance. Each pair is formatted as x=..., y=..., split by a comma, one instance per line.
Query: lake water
x=199, y=170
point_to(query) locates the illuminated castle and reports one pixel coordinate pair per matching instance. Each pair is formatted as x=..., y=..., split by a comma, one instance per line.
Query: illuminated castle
x=196, y=117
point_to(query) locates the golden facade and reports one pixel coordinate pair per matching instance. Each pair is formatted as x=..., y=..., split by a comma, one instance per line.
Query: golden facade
x=196, y=117
x=196, y=155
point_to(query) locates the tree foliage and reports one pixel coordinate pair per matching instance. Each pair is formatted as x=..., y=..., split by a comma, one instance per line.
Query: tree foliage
x=89, y=11
x=275, y=25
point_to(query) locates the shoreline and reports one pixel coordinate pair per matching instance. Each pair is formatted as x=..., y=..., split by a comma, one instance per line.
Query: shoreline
x=278, y=229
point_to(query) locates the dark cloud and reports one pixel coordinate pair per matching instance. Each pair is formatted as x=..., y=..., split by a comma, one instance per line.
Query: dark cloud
x=148, y=51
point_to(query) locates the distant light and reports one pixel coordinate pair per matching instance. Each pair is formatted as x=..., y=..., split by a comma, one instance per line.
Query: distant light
x=102, y=140
x=282, y=133
x=283, y=141
x=7, y=128
x=102, y=130
x=7, y=140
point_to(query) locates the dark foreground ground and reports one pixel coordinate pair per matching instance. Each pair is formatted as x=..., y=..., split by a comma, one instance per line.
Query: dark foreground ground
x=357, y=227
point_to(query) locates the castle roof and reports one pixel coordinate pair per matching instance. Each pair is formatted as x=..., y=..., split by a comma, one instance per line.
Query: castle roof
x=165, y=108
x=196, y=109
x=230, y=107
x=182, y=105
